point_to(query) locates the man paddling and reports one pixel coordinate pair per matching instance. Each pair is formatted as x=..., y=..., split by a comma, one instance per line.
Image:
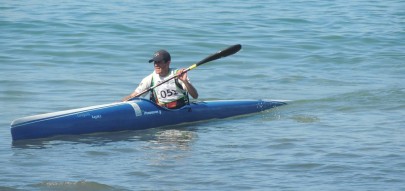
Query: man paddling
x=174, y=93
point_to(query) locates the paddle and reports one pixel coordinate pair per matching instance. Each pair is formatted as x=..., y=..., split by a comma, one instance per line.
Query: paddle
x=223, y=53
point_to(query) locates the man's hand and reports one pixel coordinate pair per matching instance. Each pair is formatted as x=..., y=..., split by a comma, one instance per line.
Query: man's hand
x=182, y=77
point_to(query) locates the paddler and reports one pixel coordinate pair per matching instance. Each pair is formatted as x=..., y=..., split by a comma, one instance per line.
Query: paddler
x=172, y=94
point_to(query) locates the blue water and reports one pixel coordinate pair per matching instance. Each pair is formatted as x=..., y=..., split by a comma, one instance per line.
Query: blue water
x=342, y=63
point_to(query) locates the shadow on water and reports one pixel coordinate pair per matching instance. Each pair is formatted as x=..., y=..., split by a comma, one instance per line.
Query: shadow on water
x=180, y=135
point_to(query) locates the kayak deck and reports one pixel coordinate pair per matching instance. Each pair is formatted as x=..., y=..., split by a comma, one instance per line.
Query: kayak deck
x=137, y=114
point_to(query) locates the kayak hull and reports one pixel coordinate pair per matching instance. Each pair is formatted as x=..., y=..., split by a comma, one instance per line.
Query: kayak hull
x=136, y=114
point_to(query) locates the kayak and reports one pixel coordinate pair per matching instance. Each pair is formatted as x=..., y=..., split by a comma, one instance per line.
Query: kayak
x=136, y=114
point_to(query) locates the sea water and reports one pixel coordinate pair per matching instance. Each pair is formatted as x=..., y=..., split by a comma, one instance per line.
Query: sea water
x=341, y=63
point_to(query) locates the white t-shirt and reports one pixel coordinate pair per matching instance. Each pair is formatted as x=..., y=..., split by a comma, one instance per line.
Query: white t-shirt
x=165, y=93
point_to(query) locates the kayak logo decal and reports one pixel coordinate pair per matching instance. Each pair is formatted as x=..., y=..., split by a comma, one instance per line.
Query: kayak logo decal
x=152, y=112
x=82, y=115
x=96, y=116
x=137, y=109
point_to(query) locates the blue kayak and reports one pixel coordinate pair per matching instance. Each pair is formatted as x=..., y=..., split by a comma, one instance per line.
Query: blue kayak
x=136, y=114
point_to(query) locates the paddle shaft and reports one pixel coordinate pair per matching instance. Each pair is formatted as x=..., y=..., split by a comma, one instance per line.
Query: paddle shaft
x=223, y=53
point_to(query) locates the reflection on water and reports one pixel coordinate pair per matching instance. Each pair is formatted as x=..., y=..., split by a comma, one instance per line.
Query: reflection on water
x=173, y=137
x=169, y=147
x=72, y=185
x=142, y=154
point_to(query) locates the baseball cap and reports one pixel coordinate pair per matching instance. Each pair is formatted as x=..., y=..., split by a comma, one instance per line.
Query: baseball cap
x=160, y=55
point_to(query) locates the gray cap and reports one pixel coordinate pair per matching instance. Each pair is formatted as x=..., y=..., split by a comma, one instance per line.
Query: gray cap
x=160, y=55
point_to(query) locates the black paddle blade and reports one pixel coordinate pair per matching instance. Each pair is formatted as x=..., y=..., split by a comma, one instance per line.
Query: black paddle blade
x=223, y=53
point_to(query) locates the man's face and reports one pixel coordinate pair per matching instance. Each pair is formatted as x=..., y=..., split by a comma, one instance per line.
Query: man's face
x=161, y=67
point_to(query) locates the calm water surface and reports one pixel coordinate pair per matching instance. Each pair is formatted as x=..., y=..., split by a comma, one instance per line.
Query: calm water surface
x=341, y=63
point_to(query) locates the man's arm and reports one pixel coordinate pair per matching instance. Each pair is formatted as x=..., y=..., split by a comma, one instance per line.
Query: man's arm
x=132, y=95
x=145, y=84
